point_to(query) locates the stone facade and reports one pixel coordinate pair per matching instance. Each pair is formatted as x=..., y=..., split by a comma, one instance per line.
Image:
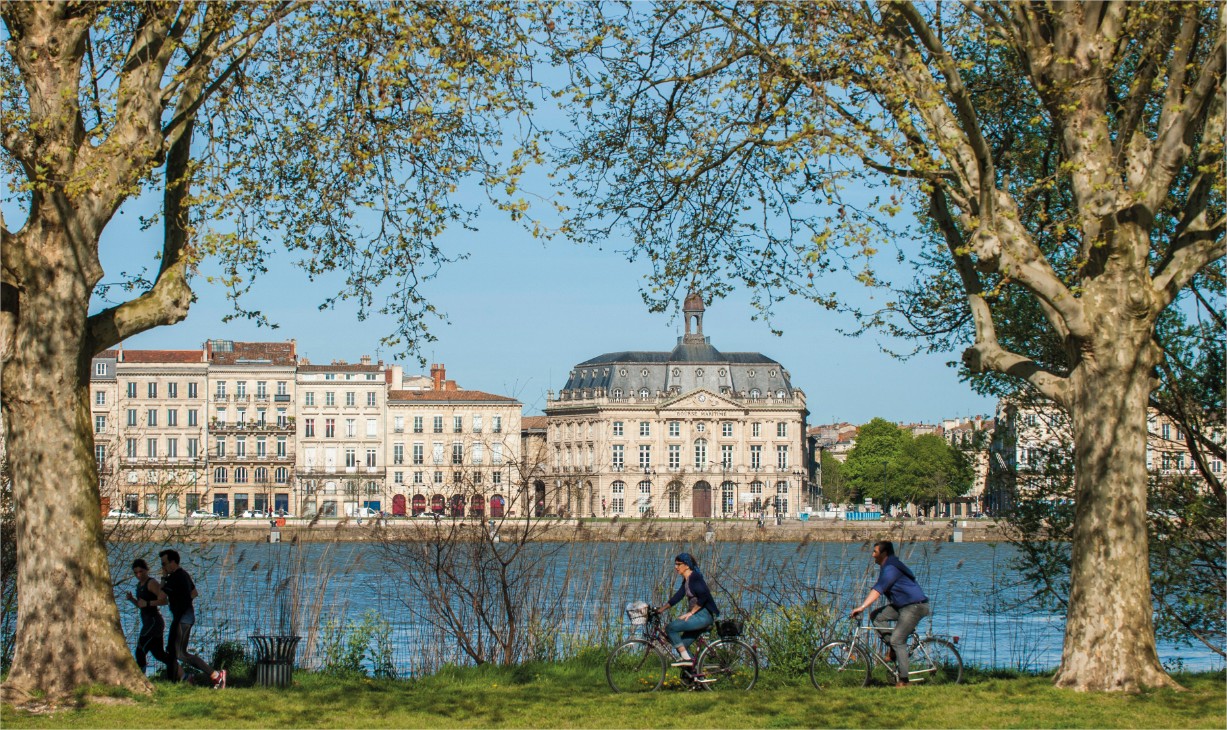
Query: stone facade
x=688, y=433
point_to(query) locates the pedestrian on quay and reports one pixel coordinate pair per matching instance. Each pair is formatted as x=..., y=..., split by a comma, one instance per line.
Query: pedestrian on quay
x=181, y=593
x=148, y=599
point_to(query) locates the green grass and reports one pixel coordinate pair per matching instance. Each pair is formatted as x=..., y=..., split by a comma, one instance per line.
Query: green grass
x=573, y=694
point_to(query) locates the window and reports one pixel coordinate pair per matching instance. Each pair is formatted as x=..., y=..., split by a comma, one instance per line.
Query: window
x=496, y=424
x=350, y=398
x=436, y=452
x=242, y=415
x=100, y=424
x=675, y=498
x=781, y=487
x=100, y=455
x=477, y=423
x=754, y=393
x=240, y=446
x=617, y=394
x=398, y=453
x=372, y=428
x=371, y=459
x=193, y=417
x=351, y=428
x=330, y=398
x=675, y=428
x=132, y=389
x=756, y=456
x=151, y=448
x=438, y=424
x=496, y=456
x=619, y=456
x=675, y=456
x=438, y=477
x=457, y=424
x=261, y=389
x=496, y=477
x=191, y=390
x=457, y=453
x=219, y=475
x=398, y=477
x=351, y=458
x=370, y=398
x=645, y=456
x=308, y=427
x=756, y=430
x=1167, y=431
x=330, y=427
x=172, y=448
x=100, y=398
x=618, y=504
x=281, y=387
x=726, y=456
x=617, y=428
x=153, y=390
x=419, y=453
x=781, y=430
x=479, y=453
x=172, y=417
x=281, y=475
x=193, y=448
x=417, y=477
x=330, y=376
x=645, y=496
x=261, y=447
x=131, y=416
x=726, y=430
x=282, y=419
x=727, y=497
x=781, y=457
x=100, y=368
x=700, y=453
x=645, y=428
x=756, y=487
x=417, y=424
x=240, y=476
x=308, y=398
x=240, y=389
x=130, y=450
x=151, y=417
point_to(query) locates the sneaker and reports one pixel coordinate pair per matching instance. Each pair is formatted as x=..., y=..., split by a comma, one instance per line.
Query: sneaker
x=684, y=663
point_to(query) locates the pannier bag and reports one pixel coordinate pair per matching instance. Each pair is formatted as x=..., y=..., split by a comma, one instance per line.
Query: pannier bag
x=729, y=628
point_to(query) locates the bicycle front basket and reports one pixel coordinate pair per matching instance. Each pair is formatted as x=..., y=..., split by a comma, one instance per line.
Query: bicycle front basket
x=729, y=628
x=637, y=612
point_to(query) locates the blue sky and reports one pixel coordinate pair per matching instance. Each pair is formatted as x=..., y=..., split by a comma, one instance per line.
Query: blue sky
x=523, y=312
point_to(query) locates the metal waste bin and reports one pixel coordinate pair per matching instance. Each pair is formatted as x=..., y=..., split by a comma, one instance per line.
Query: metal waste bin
x=275, y=659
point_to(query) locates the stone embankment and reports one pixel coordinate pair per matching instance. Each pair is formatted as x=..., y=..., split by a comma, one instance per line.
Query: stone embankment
x=551, y=530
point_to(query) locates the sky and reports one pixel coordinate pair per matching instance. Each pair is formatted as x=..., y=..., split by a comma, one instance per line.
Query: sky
x=523, y=312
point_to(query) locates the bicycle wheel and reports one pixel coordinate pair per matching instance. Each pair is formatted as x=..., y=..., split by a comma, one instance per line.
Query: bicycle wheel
x=935, y=661
x=636, y=666
x=727, y=664
x=839, y=664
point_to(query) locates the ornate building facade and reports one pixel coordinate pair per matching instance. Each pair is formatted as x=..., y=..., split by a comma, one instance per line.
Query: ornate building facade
x=691, y=432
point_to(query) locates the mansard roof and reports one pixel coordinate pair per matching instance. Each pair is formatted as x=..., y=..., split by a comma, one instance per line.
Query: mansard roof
x=440, y=396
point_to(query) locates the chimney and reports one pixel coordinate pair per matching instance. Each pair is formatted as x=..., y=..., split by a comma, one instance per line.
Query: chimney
x=437, y=375
x=365, y=359
x=449, y=385
x=395, y=377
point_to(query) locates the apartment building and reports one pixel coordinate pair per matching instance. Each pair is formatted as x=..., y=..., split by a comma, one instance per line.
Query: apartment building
x=691, y=432
x=159, y=398
x=341, y=460
x=452, y=451
x=251, y=426
x=104, y=410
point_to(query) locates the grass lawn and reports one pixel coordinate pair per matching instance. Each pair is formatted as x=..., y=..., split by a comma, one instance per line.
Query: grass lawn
x=574, y=694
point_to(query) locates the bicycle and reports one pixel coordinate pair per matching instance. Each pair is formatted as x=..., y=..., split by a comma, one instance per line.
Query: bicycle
x=850, y=662
x=640, y=664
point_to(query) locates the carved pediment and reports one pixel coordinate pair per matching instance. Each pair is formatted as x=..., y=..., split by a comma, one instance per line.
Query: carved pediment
x=700, y=400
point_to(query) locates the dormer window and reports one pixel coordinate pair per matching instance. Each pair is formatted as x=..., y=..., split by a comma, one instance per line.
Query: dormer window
x=754, y=394
x=643, y=393
x=617, y=394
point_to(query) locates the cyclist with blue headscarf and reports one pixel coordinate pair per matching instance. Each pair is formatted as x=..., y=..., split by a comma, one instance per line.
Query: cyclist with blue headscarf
x=701, y=608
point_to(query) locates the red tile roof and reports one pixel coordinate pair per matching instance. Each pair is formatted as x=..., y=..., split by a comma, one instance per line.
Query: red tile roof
x=341, y=368
x=273, y=353
x=152, y=357
x=441, y=396
x=533, y=422
x=108, y=353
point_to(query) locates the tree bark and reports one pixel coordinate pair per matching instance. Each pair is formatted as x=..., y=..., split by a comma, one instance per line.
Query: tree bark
x=63, y=581
x=1109, y=629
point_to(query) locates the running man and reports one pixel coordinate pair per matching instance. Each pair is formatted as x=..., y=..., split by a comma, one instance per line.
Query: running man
x=180, y=592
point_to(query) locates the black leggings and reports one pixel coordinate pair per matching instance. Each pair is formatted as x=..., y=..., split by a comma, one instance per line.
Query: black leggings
x=150, y=641
x=180, y=634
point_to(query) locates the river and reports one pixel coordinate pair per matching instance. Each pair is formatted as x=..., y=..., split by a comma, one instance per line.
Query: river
x=253, y=588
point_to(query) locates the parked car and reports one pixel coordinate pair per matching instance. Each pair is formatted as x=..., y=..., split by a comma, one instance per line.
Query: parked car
x=203, y=515
x=363, y=512
x=116, y=513
x=255, y=513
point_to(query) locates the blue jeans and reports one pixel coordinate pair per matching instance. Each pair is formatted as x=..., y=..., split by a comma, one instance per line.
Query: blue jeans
x=683, y=632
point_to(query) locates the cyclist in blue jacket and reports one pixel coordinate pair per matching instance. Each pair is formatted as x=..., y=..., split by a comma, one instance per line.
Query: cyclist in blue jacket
x=907, y=604
x=702, y=609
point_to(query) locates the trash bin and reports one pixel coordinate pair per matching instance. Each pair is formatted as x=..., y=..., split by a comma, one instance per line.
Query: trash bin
x=275, y=659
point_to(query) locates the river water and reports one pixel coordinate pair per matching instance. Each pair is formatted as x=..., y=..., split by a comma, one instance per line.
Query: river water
x=255, y=588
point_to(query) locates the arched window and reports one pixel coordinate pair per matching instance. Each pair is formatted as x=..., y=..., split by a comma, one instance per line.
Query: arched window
x=261, y=475
x=617, y=394
x=781, y=487
x=372, y=487
x=754, y=393
x=618, y=503
x=644, y=393
x=437, y=504
x=700, y=453
x=240, y=475
x=419, y=504
x=281, y=475
x=219, y=475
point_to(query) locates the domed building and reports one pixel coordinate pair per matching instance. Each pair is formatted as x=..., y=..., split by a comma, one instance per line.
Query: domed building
x=690, y=432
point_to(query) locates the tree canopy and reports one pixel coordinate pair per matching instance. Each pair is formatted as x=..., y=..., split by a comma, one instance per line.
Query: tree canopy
x=891, y=466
